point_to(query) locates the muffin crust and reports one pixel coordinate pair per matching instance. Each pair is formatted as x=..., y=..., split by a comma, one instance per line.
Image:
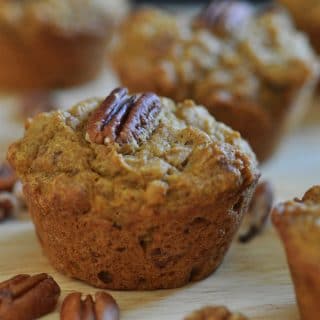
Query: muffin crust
x=156, y=215
x=298, y=224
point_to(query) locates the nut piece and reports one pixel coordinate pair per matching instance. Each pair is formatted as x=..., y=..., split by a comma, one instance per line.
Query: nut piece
x=124, y=119
x=8, y=205
x=257, y=216
x=34, y=102
x=223, y=16
x=7, y=177
x=215, y=313
x=27, y=297
x=104, y=307
x=298, y=224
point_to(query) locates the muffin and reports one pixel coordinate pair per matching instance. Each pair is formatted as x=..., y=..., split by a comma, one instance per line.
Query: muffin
x=298, y=225
x=134, y=192
x=215, y=313
x=256, y=78
x=306, y=14
x=54, y=43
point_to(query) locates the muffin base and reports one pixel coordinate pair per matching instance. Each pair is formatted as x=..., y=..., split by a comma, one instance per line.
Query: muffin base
x=160, y=250
x=48, y=59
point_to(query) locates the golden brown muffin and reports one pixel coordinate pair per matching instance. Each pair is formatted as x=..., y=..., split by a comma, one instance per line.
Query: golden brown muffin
x=298, y=224
x=135, y=192
x=215, y=313
x=54, y=43
x=257, y=78
x=306, y=14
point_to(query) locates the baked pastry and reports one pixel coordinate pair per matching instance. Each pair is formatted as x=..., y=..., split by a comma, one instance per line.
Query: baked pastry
x=54, y=43
x=256, y=78
x=298, y=225
x=134, y=192
x=215, y=313
x=306, y=14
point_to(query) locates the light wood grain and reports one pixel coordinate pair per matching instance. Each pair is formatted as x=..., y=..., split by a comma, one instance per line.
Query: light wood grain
x=253, y=279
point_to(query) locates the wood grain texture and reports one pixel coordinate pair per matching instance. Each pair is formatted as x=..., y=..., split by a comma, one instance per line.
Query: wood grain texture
x=253, y=279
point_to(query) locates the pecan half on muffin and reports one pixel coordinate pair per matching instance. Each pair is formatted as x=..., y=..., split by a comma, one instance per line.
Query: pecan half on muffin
x=298, y=224
x=257, y=77
x=134, y=192
x=54, y=43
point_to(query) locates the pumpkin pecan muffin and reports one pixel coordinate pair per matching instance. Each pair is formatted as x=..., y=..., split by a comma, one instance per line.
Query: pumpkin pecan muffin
x=257, y=77
x=306, y=14
x=136, y=191
x=298, y=223
x=54, y=43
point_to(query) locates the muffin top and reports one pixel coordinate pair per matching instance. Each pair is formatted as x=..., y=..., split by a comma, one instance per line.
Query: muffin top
x=129, y=154
x=264, y=51
x=301, y=217
x=69, y=16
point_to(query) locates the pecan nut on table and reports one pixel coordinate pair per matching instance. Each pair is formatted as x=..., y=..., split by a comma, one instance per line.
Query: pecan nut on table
x=8, y=202
x=215, y=313
x=258, y=214
x=26, y=297
x=104, y=307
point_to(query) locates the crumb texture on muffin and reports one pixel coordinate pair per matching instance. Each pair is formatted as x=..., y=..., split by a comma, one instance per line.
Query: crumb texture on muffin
x=157, y=214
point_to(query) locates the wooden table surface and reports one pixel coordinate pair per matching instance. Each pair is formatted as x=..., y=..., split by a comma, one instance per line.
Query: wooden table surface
x=253, y=279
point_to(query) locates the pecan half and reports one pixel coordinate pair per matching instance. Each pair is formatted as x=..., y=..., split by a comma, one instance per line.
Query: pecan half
x=8, y=205
x=103, y=308
x=123, y=118
x=260, y=207
x=223, y=16
x=7, y=177
x=215, y=313
x=34, y=102
x=27, y=297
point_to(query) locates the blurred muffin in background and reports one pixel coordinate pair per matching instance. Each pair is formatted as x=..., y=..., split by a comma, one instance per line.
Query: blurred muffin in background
x=54, y=43
x=306, y=14
x=256, y=77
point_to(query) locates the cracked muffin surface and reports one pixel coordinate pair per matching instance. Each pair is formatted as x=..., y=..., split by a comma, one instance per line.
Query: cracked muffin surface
x=298, y=224
x=256, y=78
x=174, y=199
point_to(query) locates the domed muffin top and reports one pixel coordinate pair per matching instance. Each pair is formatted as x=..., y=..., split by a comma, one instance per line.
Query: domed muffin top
x=134, y=152
x=301, y=219
x=261, y=53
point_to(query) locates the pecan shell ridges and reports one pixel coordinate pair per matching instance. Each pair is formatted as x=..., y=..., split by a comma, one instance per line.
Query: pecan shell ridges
x=124, y=119
x=27, y=297
x=103, y=307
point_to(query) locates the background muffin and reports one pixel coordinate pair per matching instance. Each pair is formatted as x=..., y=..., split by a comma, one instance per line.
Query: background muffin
x=54, y=43
x=258, y=78
x=134, y=192
x=298, y=225
x=306, y=14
